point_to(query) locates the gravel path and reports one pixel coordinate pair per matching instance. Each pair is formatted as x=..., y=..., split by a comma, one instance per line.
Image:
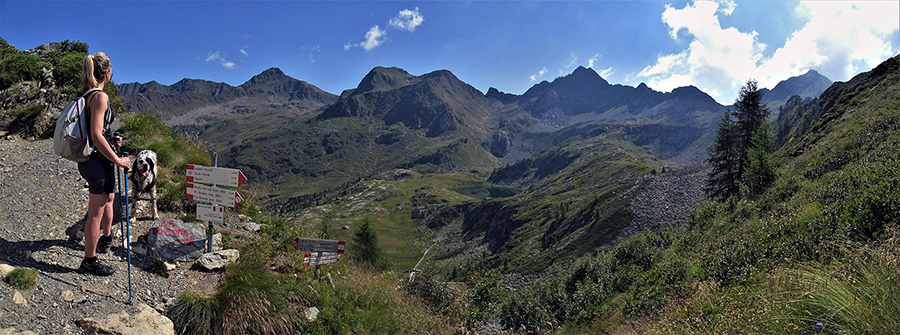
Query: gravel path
x=43, y=207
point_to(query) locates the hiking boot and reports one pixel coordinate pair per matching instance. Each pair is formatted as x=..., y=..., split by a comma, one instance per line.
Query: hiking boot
x=103, y=244
x=95, y=268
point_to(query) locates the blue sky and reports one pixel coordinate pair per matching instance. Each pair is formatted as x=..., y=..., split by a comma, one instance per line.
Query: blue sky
x=510, y=45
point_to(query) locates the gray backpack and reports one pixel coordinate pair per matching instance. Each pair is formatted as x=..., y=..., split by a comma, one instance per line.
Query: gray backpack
x=71, y=140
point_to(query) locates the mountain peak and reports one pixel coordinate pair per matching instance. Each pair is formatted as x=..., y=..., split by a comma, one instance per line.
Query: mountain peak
x=384, y=78
x=271, y=74
x=583, y=76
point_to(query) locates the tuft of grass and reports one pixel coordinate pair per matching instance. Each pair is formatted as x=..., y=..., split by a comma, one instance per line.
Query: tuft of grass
x=22, y=278
x=194, y=314
x=159, y=267
x=859, y=294
x=27, y=111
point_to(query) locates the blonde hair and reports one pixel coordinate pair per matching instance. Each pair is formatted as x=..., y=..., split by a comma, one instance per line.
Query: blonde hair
x=95, y=67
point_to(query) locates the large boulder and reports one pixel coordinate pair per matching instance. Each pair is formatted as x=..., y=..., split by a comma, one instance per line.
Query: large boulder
x=176, y=240
x=145, y=321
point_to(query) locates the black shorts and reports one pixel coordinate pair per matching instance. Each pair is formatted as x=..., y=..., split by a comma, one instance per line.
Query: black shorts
x=98, y=172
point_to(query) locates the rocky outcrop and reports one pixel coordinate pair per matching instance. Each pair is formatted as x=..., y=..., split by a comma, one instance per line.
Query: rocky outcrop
x=500, y=144
x=144, y=320
x=218, y=259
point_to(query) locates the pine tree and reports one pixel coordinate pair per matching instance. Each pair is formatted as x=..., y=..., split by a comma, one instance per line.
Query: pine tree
x=749, y=113
x=743, y=133
x=364, y=245
x=724, y=158
x=760, y=166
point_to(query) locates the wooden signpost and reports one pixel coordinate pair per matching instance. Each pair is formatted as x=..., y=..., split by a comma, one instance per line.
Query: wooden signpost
x=321, y=251
x=197, y=176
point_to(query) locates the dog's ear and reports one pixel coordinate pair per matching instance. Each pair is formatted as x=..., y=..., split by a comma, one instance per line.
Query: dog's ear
x=151, y=165
x=134, y=164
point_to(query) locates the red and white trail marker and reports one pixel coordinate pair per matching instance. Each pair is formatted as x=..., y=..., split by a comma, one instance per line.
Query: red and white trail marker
x=215, y=195
x=215, y=175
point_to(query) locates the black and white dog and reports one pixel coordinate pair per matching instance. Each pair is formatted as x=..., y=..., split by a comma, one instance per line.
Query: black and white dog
x=143, y=180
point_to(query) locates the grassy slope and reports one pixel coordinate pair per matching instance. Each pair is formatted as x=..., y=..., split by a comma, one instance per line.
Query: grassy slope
x=812, y=249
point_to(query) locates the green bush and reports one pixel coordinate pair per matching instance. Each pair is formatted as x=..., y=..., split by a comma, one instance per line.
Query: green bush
x=27, y=111
x=485, y=294
x=436, y=294
x=67, y=67
x=73, y=46
x=525, y=310
x=22, y=278
x=16, y=67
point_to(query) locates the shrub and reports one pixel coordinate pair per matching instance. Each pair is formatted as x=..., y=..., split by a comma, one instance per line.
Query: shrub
x=16, y=67
x=485, y=294
x=22, y=278
x=67, y=67
x=525, y=310
x=437, y=295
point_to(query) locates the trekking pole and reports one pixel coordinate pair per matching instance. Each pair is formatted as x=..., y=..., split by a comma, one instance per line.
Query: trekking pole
x=128, y=233
x=119, y=198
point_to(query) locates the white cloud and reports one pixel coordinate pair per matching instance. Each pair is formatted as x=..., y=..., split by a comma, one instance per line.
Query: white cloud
x=839, y=40
x=407, y=20
x=572, y=61
x=241, y=50
x=317, y=49
x=216, y=57
x=592, y=60
x=213, y=56
x=606, y=73
x=374, y=37
x=539, y=74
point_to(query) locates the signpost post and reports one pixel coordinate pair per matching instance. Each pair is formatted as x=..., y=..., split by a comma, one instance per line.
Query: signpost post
x=197, y=176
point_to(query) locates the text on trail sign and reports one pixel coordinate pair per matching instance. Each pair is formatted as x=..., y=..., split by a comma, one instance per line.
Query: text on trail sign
x=215, y=175
x=318, y=245
x=215, y=195
x=319, y=258
x=211, y=213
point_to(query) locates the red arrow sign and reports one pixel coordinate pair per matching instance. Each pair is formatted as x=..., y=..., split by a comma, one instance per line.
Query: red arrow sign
x=215, y=195
x=215, y=175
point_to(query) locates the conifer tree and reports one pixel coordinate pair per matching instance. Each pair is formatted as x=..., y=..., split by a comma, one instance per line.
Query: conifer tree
x=749, y=113
x=760, y=166
x=364, y=245
x=724, y=158
x=741, y=133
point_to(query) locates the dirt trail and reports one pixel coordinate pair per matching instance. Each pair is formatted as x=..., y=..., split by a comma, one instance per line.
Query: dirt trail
x=43, y=204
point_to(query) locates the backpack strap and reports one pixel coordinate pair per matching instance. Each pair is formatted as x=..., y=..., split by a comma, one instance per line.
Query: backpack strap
x=87, y=111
